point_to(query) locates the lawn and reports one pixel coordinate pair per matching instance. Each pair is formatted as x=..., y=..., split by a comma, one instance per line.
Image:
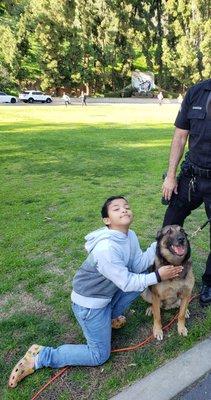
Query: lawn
x=58, y=165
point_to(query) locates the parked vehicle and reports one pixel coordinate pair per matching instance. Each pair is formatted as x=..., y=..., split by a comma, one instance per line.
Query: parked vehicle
x=6, y=98
x=32, y=96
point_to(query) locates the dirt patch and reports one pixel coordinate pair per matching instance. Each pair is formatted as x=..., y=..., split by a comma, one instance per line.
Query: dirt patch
x=54, y=269
x=65, y=189
x=45, y=254
x=52, y=208
x=47, y=291
x=17, y=302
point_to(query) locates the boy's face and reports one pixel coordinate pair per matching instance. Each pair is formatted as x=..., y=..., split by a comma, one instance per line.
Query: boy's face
x=120, y=215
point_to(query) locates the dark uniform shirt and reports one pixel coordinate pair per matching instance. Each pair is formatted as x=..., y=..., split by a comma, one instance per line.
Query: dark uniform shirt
x=195, y=117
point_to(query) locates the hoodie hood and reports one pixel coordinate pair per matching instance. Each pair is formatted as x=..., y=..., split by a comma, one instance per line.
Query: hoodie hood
x=103, y=233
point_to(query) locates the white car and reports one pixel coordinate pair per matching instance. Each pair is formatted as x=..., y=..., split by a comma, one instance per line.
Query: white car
x=31, y=96
x=6, y=98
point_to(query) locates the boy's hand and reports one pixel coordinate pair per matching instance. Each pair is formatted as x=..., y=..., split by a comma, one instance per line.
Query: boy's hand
x=169, y=272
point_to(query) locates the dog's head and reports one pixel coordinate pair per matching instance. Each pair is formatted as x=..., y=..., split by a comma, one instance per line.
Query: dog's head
x=173, y=245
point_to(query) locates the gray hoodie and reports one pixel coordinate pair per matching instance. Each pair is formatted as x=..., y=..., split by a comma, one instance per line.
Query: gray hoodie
x=115, y=261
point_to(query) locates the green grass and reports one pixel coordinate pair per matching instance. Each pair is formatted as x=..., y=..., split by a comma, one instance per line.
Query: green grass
x=57, y=167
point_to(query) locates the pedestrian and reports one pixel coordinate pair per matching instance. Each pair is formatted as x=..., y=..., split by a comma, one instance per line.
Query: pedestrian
x=83, y=99
x=66, y=99
x=109, y=280
x=193, y=122
x=160, y=98
x=180, y=98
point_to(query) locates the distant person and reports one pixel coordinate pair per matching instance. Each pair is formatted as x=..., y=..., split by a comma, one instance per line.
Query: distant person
x=83, y=98
x=109, y=280
x=180, y=98
x=160, y=98
x=66, y=99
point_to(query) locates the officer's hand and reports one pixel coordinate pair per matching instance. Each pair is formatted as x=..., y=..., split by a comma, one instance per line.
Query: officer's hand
x=169, y=272
x=169, y=186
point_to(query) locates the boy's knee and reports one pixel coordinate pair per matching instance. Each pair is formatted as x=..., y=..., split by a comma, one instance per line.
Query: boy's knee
x=101, y=357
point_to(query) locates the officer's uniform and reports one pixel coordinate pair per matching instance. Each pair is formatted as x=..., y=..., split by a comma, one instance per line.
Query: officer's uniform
x=194, y=187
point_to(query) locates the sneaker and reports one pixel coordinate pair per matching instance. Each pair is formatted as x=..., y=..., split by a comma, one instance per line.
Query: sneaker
x=118, y=322
x=205, y=295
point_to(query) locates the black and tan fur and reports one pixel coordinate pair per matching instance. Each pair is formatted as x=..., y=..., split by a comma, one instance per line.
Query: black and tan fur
x=175, y=292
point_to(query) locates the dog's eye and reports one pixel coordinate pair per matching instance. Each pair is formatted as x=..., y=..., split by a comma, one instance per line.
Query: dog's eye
x=183, y=231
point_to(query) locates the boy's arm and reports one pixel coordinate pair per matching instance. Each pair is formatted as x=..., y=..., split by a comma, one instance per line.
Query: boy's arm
x=143, y=259
x=111, y=265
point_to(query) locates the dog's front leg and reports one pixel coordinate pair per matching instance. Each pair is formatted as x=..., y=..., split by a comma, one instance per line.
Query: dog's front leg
x=182, y=330
x=157, y=327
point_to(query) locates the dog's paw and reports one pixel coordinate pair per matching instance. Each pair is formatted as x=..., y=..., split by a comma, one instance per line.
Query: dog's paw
x=182, y=330
x=187, y=314
x=148, y=311
x=158, y=333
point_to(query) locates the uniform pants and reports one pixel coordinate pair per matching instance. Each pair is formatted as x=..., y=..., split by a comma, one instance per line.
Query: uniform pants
x=180, y=207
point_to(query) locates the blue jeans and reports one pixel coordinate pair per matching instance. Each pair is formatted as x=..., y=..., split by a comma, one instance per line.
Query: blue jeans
x=96, y=326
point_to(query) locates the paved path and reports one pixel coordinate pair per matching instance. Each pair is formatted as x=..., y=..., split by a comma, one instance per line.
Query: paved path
x=98, y=100
x=173, y=378
x=200, y=390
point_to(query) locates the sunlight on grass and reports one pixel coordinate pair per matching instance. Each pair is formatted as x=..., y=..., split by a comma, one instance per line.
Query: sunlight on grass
x=114, y=113
x=153, y=143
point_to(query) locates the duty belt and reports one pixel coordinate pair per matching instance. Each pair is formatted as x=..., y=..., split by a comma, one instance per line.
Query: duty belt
x=201, y=172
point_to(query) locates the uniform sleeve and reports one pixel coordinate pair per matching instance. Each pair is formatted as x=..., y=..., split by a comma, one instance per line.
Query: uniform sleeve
x=111, y=265
x=182, y=120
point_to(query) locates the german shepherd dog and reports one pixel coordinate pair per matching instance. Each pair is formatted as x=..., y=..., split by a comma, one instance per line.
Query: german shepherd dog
x=173, y=248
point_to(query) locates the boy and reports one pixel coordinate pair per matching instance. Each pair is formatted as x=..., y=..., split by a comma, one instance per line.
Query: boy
x=66, y=99
x=112, y=276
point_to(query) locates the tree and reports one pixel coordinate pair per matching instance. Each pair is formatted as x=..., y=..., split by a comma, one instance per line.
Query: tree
x=96, y=43
x=185, y=38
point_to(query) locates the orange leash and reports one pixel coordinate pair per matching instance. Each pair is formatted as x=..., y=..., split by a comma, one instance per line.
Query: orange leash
x=130, y=348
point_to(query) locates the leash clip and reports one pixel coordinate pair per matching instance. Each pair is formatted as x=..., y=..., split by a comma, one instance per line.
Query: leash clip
x=191, y=187
x=200, y=228
x=196, y=231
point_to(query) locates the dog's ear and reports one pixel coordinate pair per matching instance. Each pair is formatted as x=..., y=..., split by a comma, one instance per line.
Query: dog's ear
x=163, y=231
x=159, y=235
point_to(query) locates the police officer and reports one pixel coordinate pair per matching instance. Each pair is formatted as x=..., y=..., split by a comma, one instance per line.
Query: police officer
x=193, y=188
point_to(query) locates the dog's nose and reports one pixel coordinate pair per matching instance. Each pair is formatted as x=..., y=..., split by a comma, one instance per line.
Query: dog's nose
x=181, y=240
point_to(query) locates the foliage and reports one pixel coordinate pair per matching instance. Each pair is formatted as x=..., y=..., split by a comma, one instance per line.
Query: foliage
x=94, y=44
x=185, y=46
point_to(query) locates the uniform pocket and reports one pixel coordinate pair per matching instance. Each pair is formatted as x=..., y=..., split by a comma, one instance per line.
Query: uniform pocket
x=197, y=123
x=196, y=114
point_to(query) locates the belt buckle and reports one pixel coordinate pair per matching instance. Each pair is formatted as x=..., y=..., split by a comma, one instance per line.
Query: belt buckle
x=202, y=173
x=205, y=173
